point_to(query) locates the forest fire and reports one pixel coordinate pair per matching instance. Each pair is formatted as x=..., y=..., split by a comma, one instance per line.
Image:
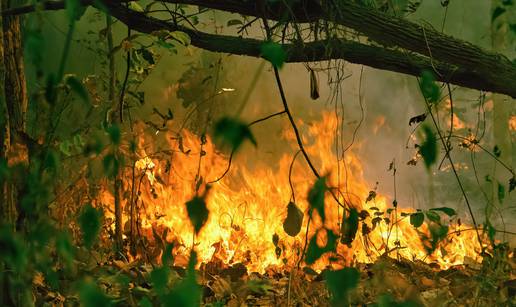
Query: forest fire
x=247, y=207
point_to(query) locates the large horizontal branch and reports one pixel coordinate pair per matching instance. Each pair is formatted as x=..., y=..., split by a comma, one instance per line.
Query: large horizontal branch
x=376, y=57
x=386, y=29
x=455, y=61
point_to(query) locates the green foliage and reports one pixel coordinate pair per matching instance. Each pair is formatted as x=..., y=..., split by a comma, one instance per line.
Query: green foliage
x=349, y=227
x=74, y=10
x=339, y=284
x=316, y=197
x=115, y=135
x=90, y=224
x=315, y=251
x=111, y=165
x=187, y=293
x=197, y=212
x=274, y=53
x=13, y=251
x=232, y=133
x=429, y=147
x=497, y=12
x=428, y=87
x=417, y=219
x=448, y=211
x=91, y=296
x=293, y=221
x=159, y=277
x=133, y=5
x=77, y=87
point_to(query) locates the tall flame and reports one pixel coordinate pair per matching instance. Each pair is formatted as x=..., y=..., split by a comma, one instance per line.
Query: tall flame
x=247, y=207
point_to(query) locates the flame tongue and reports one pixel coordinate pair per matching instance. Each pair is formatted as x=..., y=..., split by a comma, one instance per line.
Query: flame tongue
x=248, y=207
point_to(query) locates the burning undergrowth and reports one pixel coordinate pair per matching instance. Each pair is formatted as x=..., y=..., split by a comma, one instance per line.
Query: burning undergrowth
x=275, y=215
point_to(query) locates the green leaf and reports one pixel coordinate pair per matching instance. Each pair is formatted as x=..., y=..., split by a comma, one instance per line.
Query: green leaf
x=181, y=37
x=77, y=87
x=274, y=53
x=197, y=212
x=232, y=133
x=74, y=10
x=114, y=134
x=501, y=192
x=496, y=151
x=448, y=211
x=497, y=12
x=294, y=221
x=64, y=248
x=111, y=165
x=90, y=224
x=417, y=219
x=433, y=216
x=349, y=227
x=159, y=278
x=314, y=251
x=234, y=22
x=50, y=89
x=187, y=293
x=133, y=5
x=66, y=148
x=340, y=282
x=91, y=296
x=429, y=147
x=428, y=87
x=316, y=197
x=512, y=183
x=144, y=302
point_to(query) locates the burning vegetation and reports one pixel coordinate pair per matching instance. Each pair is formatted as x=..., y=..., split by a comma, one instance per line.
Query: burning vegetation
x=113, y=195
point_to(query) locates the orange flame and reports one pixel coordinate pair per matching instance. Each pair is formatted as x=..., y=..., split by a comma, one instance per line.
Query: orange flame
x=248, y=206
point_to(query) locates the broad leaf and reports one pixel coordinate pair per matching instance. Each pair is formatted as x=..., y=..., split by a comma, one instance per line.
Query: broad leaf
x=417, y=219
x=197, y=212
x=294, y=221
x=448, y=211
x=232, y=133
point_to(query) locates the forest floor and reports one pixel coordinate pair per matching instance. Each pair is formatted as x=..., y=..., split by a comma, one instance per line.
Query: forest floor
x=387, y=282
